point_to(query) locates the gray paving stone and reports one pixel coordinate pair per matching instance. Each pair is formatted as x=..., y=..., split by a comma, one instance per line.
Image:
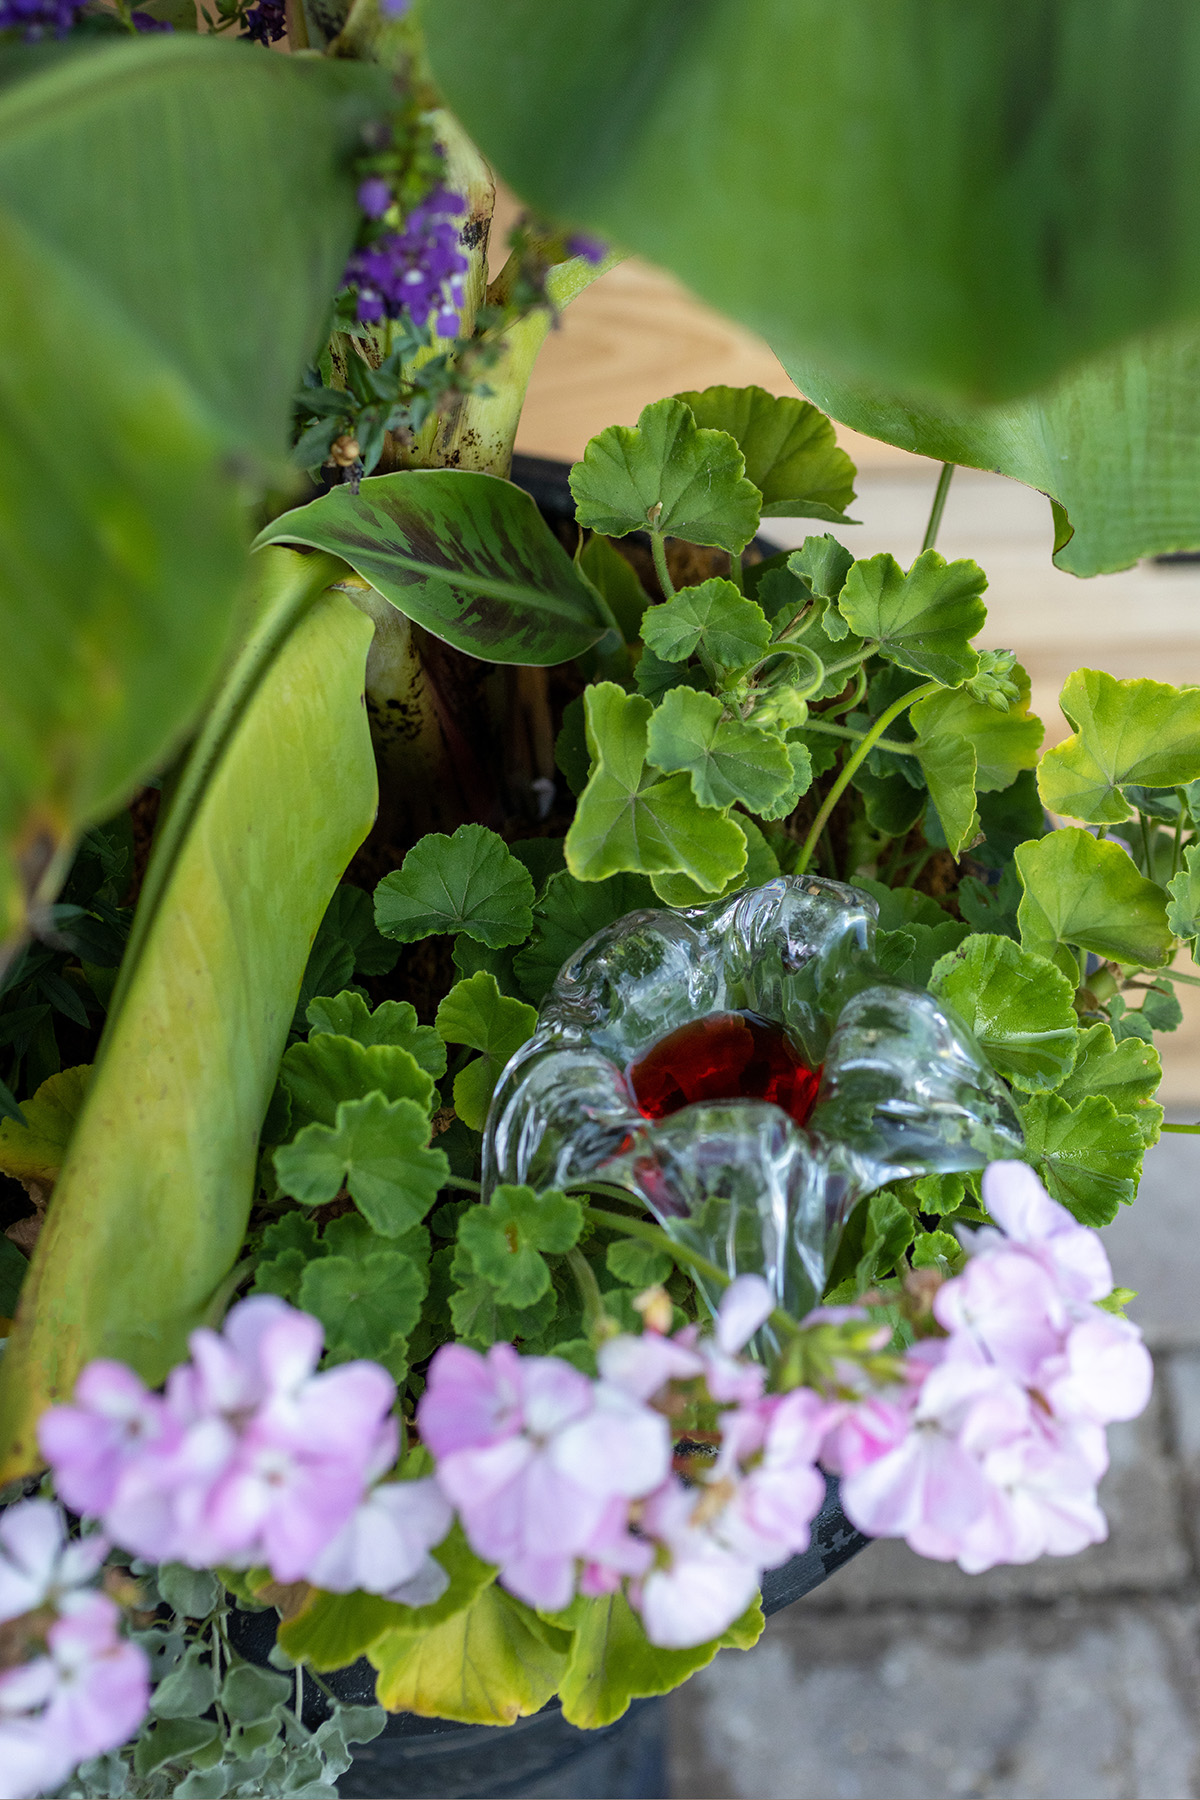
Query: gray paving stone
x=1154, y=1245
x=1071, y=1702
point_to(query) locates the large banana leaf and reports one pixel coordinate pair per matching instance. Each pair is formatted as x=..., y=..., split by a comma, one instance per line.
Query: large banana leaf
x=151, y=348
x=151, y=1205
x=959, y=198
x=1116, y=444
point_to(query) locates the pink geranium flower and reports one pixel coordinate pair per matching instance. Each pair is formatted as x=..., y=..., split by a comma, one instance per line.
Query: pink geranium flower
x=87, y=1694
x=533, y=1454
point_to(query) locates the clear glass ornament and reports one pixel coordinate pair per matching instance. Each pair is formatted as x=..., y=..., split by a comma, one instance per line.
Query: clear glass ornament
x=901, y=1088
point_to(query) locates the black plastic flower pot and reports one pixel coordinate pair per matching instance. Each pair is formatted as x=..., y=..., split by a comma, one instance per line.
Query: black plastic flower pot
x=435, y=1759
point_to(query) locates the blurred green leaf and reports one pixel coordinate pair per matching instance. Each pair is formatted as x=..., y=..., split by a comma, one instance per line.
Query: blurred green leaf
x=910, y=251
x=612, y=1661
x=283, y=777
x=392, y=1022
x=329, y=1069
x=1183, y=910
x=570, y=912
x=491, y=1664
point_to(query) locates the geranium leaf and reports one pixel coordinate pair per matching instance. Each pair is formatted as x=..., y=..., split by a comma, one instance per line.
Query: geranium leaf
x=612, y=1662
x=392, y=1022
x=667, y=475
x=331, y=1630
x=637, y=1265
x=800, y=758
x=570, y=912
x=490, y=1664
x=823, y=564
x=477, y=1014
x=713, y=620
x=1079, y=891
x=1019, y=1007
x=912, y=952
x=923, y=620
x=468, y=556
x=377, y=1147
x=35, y=1151
x=1127, y=1073
x=506, y=1239
x=349, y=923
x=791, y=450
x=366, y=1302
x=726, y=760
x=329, y=1069
x=1183, y=910
x=616, y=578
x=469, y=882
x=762, y=864
x=1140, y=733
x=629, y=818
x=948, y=765
x=478, y=1315
x=1004, y=743
x=1088, y=1155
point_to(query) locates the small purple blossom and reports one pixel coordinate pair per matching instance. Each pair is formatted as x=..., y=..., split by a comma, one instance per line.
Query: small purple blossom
x=265, y=22
x=418, y=270
x=143, y=21
x=592, y=249
x=374, y=196
x=39, y=1565
x=37, y=19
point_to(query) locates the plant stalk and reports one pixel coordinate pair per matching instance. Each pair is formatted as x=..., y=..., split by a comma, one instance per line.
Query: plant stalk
x=939, y=506
x=854, y=762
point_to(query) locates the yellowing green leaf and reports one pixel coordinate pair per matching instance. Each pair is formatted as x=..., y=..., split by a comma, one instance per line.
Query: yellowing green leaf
x=630, y=818
x=35, y=1151
x=667, y=475
x=612, y=1661
x=1082, y=892
x=470, y=882
x=1127, y=733
x=726, y=760
x=1018, y=1005
x=477, y=1014
x=492, y=1664
x=791, y=450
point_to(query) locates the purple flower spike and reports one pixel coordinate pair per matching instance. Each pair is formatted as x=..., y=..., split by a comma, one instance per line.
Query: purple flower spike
x=417, y=270
x=592, y=249
x=266, y=22
x=394, y=9
x=142, y=21
x=374, y=196
x=37, y=19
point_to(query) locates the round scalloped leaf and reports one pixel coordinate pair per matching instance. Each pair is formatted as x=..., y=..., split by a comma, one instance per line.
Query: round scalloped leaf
x=665, y=474
x=1127, y=733
x=1084, y=893
x=470, y=882
x=1019, y=1007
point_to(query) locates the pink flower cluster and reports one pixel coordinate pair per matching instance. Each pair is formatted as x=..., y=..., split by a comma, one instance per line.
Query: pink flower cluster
x=991, y=1449
x=252, y=1458
x=567, y=1483
x=84, y=1690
